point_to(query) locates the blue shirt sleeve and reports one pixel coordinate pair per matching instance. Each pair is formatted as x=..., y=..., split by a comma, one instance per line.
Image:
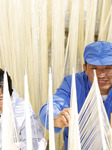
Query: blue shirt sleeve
x=61, y=100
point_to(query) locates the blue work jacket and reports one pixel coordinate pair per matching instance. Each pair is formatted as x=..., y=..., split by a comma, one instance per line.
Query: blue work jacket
x=61, y=100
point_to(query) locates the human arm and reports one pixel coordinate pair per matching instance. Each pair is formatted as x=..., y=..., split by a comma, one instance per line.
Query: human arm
x=61, y=101
x=38, y=140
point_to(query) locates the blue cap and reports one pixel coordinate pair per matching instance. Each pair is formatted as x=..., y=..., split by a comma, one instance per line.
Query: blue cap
x=98, y=53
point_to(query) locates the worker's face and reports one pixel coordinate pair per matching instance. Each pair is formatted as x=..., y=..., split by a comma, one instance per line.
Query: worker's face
x=104, y=76
x=1, y=99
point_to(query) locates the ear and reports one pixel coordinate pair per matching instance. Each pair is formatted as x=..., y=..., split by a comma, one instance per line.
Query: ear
x=85, y=68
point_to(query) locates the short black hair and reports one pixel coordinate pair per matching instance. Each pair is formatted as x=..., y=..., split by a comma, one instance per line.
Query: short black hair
x=9, y=81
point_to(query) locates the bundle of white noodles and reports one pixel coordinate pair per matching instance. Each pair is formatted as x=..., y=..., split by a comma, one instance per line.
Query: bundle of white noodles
x=74, y=136
x=27, y=114
x=9, y=130
x=93, y=123
x=51, y=118
x=9, y=134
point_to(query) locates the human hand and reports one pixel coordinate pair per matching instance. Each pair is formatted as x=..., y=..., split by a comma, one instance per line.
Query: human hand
x=63, y=119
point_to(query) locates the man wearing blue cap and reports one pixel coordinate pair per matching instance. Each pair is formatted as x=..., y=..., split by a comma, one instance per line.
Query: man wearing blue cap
x=98, y=56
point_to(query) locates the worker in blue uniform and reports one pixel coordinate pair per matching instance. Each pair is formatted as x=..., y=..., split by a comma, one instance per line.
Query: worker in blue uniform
x=98, y=56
